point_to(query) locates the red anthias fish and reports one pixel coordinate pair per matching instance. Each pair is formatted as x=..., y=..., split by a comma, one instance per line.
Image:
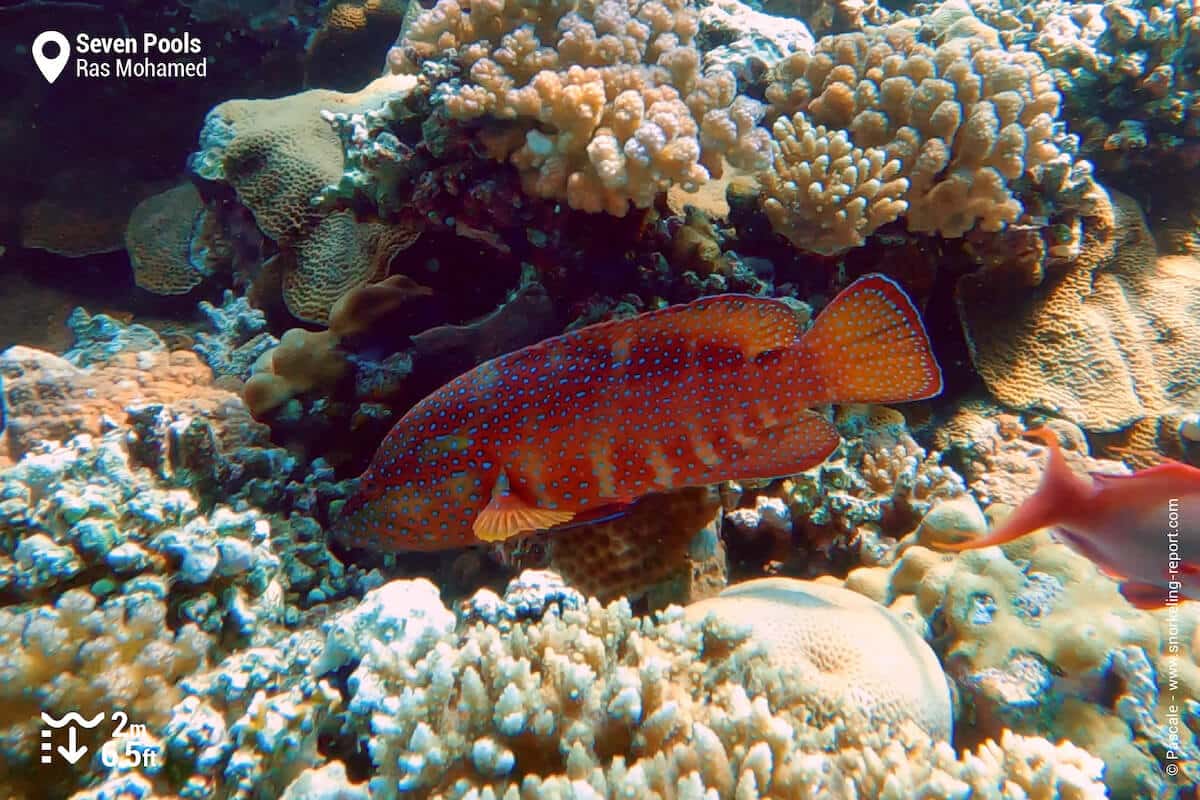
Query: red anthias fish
x=579, y=425
x=1138, y=529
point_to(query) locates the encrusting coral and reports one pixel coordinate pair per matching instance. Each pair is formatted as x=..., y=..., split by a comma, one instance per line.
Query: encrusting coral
x=941, y=135
x=601, y=104
x=609, y=559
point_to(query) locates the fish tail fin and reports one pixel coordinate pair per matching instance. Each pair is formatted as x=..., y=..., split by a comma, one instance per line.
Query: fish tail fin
x=1059, y=491
x=869, y=346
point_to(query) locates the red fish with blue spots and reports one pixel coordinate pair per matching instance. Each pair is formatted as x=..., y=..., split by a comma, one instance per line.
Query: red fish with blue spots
x=719, y=389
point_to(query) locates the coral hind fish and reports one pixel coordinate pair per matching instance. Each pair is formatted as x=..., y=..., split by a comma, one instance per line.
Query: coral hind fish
x=581, y=425
x=1138, y=529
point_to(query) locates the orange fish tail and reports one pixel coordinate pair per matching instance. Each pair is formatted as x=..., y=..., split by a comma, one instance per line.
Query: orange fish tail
x=869, y=346
x=1060, y=492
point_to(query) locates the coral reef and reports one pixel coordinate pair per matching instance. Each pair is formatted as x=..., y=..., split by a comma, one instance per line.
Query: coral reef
x=872, y=126
x=438, y=183
x=602, y=105
x=163, y=241
x=1106, y=342
x=619, y=717
x=277, y=155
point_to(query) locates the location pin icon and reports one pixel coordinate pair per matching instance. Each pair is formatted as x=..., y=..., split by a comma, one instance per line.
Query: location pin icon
x=51, y=67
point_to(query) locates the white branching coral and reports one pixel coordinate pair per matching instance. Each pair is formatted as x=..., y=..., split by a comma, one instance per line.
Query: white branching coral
x=825, y=194
x=962, y=123
x=590, y=701
x=605, y=100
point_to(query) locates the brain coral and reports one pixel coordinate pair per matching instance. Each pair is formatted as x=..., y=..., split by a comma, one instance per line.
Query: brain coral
x=277, y=155
x=160, y=237
x=851, y=654
x=1112, y=340
x=940, y=135
x=608, y=100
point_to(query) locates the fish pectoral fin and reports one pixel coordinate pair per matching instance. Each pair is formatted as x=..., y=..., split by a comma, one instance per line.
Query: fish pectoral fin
x=1145, y=596
x=790, y=447
x=507, y=515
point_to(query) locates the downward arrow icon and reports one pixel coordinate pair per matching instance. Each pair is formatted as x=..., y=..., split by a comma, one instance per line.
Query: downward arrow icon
x=72, y=752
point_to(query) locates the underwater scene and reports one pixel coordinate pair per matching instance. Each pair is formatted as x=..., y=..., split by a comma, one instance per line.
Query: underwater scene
x=600, y=399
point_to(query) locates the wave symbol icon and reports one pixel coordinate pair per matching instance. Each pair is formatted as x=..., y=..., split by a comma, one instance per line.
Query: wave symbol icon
x=72, y=716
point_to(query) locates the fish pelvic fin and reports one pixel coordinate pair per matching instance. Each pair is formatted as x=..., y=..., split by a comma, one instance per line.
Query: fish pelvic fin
x=1060, y=492
x=506, y=515
x=870, y=346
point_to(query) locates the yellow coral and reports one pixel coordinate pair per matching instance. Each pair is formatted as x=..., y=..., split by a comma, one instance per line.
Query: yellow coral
x=277, y=155
x=961, y=122
x=612, y=104
x=1111, y=341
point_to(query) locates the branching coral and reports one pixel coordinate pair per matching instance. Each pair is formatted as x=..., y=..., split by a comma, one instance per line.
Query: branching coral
x=601, y=104
x=944, y=135
x=826, y=195
x=84, y=654
x=1131, y=69
x=593, y=702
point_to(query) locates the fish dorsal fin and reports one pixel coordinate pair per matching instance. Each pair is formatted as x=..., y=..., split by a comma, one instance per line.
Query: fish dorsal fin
x=507, y=515
x=753, y=325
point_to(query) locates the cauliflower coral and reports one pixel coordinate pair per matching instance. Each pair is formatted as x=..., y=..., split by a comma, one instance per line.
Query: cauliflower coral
x=601, y=103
